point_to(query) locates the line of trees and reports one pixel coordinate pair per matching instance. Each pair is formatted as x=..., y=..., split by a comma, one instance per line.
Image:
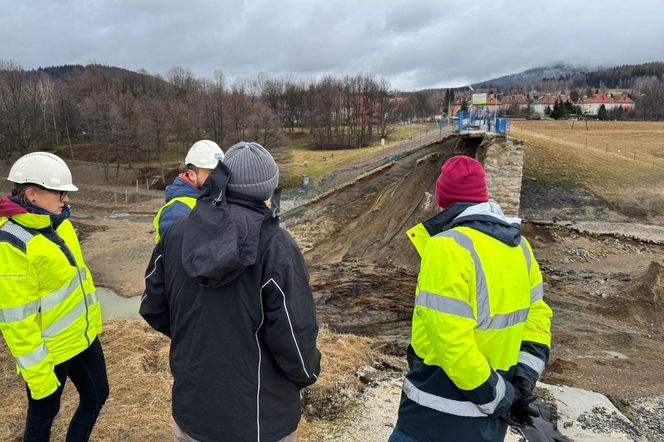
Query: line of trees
x=116, y=116
x=561, y=109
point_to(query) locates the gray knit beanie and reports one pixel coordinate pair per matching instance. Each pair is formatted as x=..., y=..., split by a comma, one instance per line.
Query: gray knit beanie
x=253, y=170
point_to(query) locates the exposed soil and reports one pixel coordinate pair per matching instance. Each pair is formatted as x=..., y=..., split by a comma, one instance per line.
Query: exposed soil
x=369, y=219
x=364, y=273
x=608, y=309
x=605, y=290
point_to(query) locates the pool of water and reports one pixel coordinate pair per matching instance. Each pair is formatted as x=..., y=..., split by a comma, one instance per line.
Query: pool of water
x=133, y=216
x=117, y=307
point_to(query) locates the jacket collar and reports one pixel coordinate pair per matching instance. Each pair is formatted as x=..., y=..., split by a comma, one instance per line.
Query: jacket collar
x=29, y=215
x=180, y=187
x=222, y=233
x=487, y=218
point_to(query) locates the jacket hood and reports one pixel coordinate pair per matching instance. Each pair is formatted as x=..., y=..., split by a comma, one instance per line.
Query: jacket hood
x=180, y=187
x=10, y=208
x=222, y=233
x=487, y=218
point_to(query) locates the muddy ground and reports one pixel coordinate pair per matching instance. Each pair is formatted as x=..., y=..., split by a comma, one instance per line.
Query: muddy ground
x=605, y=291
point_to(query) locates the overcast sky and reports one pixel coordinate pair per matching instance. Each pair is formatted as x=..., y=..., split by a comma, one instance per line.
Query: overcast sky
x=414, y=44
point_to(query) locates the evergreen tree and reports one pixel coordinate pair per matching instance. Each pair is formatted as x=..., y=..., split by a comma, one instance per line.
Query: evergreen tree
x=602, y=114
x=574, y=95
x=448, y=100
x=555, y=112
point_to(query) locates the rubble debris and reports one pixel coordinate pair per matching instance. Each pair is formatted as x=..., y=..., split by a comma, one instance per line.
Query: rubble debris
x=589, y=416
x=600, y=420
x=648, y=414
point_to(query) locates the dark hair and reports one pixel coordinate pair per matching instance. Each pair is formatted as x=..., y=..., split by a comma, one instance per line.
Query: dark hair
x=19, y=189
x=191, y=167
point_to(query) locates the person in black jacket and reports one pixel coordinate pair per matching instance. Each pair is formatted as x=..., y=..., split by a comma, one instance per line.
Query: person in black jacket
x=231, y=290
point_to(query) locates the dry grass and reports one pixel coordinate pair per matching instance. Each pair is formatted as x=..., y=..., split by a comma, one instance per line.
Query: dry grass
x=621, y=164
x=139, y=407
x=629, y=139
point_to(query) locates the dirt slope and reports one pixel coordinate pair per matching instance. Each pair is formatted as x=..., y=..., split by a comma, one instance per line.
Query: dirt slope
x=369, y=218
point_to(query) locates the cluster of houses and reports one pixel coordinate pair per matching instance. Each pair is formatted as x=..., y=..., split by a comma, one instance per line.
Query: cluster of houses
x=590, y=105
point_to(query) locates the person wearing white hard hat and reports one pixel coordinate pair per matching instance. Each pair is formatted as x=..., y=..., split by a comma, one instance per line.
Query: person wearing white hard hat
x=181, y=196
x=50, y=316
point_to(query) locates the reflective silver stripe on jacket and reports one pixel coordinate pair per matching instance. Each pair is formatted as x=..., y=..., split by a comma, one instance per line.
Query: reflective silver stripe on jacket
x=35, y=357
x=19, y=313
x=484, y=319
x=47, y=302
x=536, y=293
x=444, y=405
x=504, y=320
x=70, y=317
x=500, y=394
x=532, y=361
x=526, y=253
x=18, y=231
x=444, y=304
x=54, y=299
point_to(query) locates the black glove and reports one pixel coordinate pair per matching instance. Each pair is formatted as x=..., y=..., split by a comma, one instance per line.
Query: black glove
x=521, y=413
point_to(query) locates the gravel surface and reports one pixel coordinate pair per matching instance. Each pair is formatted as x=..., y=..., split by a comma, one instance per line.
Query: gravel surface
x=600, y=420
x=373, y=418
x=648, y=414
x=588, y=416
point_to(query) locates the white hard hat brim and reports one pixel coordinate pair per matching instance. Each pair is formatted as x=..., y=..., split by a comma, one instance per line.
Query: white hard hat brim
x=63, y=187
x=68, y=188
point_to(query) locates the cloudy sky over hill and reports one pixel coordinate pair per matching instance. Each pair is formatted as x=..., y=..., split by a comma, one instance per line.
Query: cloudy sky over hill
x=414, y=44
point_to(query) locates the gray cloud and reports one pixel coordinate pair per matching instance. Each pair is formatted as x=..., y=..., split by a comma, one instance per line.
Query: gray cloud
x=413, y=43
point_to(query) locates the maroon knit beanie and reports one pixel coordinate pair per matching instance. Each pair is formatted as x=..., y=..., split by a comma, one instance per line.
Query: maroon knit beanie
x=462, y=179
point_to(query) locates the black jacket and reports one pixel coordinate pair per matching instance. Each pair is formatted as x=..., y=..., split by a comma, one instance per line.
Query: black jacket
x=231, y=290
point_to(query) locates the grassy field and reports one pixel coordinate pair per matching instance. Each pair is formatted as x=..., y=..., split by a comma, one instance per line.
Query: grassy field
x=640, y=141
x=619, y=161
x=300, y=158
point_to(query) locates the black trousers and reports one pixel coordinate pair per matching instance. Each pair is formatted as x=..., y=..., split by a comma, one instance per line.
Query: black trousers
x=87, y=371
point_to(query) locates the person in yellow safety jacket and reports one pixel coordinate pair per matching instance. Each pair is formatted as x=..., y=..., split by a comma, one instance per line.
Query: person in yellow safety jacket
x=481, y=331
x=181, y=196
x=50, y=316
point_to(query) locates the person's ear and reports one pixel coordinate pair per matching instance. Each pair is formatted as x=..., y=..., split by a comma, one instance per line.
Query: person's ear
x=30, y=194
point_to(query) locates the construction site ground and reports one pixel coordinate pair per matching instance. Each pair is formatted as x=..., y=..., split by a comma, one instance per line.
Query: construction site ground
x=606, y=290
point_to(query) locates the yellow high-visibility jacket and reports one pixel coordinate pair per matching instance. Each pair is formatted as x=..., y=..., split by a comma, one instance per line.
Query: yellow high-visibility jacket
x=49, y=312
x=479, y=320
x=160, y=227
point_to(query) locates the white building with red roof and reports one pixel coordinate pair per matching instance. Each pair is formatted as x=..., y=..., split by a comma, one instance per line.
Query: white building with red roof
x=539, y=106
x=519, y=100
x=624, y=101
x=591, y=105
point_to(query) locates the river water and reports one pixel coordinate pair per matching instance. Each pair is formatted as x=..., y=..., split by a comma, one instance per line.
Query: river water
x=117, y=307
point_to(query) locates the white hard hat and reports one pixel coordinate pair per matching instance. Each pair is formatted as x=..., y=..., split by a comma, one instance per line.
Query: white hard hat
x=204, y=154
x=43, y=168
